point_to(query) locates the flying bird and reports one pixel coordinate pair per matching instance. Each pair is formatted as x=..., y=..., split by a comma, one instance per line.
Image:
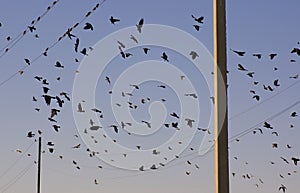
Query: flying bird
x=295, y=160
x=190, y=122
x=199, y=19
x=194, y=55
x=257, y=55
x=80, y=109
x=88, y=26
x=76, y=44
x=239, y=53
x=140, y=25
x=197, y=27
x=241, y=68
x=113, y=20
x=146, y=50
x=164, y=57
x=272, y=56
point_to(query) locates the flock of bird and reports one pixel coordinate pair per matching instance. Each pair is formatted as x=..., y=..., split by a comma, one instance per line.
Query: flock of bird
x=55, y=101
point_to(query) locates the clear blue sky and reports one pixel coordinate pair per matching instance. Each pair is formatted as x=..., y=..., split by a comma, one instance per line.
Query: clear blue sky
x=263, y=27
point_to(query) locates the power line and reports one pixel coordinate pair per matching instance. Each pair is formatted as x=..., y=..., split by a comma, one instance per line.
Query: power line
x=14, y=41
x=55, y=43
x=16, y=161
x=16, y=178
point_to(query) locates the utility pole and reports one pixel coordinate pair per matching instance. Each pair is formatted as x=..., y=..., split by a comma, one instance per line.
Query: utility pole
x=39, y=165
x=220, y=106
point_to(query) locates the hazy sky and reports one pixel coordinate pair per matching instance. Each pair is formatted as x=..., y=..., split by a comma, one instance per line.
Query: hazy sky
x=256, y=27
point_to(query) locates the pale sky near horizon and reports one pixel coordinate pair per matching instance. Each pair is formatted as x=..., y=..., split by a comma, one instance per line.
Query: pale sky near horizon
x=256, y=27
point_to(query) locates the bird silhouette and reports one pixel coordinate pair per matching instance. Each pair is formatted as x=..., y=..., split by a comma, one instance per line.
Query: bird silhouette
x=295, y=160
x=283, y=188
x=113, y=20
x=239, y=53
x=76, y=44
x=58, y=65
x=189, y=122
x=272, y=56
x=241, y=68
x=197, y=27
x=164, y=57
x=88, y=26
x=146, y=50
x=257, y=55
x=194, y=55
x=140, y=25
x=48, y=99
x=80, y=109
x=134, y=39
x=199, y=19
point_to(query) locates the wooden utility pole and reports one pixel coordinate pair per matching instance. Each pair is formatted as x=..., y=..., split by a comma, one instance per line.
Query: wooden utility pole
x=39, y=165
x=220, y=106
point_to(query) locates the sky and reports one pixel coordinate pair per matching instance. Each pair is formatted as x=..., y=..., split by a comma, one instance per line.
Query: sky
x=254, y=27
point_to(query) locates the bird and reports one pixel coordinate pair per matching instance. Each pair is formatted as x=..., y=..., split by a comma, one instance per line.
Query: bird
x=140, y=25
x=115, y=127
x=107, y=79
x=95, y=128
x=285, y=160
x=274, y=145
x=146, y=50
x=272, y=56
x=295, y=160
x=147, y=123
x=283, y=188
x=88, y=26
x=257, y=55
x=197, y=27
x=48, y=99
x=56, y=127
x=190, y=122
x=27, y=61
x=192, y=95
x=239, y=53
x=31, y=28
x=96, y=110
x=54, y=112
x=267, y=125
x=59, y=101
x=30, y=134
x=58, y=65
x=39, y=78
x=250, y=74
x=76, y=44
x=256, y=97
x=296, y=50
x=134, y=39
x=135, y=86
x=241, y=68
x=294, y=114
x=174, y=115
x=84, y=51
x=80, y=109
x=44, y=81
x=65, y=95
x=76, y=146
x=194, y=55
x=153, y=167
x=276, y=83
x=141, y=168
x=164, y=57
x=199, y=19
x=113, y=20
